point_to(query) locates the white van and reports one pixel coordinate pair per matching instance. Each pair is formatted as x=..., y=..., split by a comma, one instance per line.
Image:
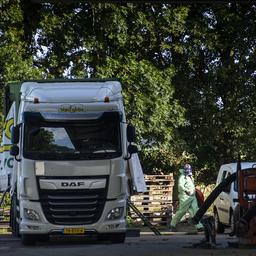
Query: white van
x=225, y=203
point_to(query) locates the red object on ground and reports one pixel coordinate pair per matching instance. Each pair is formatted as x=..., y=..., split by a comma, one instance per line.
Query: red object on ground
x=200, y=197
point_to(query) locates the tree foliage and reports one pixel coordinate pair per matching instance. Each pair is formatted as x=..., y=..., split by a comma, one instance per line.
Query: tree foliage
x=215, y=83
x=188, y=71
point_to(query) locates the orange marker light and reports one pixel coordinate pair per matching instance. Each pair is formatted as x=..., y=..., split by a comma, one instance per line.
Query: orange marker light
x=106, y=99
x=36, y=100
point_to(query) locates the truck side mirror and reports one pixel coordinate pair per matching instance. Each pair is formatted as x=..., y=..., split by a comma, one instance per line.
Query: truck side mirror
x=14, y=151
x=131, y=134
x=132, y=149
x=15, y=135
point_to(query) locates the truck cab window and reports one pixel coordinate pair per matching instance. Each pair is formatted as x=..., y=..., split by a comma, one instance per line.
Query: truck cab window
x=50, y=139
x=90, y=139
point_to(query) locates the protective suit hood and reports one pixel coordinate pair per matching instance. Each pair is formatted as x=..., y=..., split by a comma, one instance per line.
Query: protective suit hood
x=181, y=171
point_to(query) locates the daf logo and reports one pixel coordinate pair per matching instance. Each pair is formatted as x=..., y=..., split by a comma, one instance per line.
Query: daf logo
x=72, y=184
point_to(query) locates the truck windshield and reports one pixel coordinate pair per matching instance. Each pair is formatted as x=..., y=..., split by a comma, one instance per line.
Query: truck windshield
x=79, y=140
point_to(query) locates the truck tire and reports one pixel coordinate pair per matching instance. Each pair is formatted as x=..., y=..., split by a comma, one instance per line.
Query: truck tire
x=28, y=239
x=219, y=227
x=14, y=224
x=118, y=238
x=115, y=238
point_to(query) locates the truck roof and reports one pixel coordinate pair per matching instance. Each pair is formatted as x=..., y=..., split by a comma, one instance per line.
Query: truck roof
x=15, y=86
x=71, y=91
x=61, y=89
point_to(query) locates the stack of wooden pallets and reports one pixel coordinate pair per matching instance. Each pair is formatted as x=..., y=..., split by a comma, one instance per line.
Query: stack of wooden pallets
x=157, y=203
x=4, y=220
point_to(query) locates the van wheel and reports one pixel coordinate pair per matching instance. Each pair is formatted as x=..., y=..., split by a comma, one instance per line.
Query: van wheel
x=232, y=224
x=219, y=227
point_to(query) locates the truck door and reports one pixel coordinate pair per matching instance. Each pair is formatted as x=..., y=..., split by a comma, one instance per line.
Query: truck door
x=136, y=174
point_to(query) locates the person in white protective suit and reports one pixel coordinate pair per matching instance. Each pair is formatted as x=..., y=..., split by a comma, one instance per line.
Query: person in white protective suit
x=187, y=198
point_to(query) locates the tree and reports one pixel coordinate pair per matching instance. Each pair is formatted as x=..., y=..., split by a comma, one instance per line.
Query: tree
x=15, y=61
x=215, y=84
x=188, y=71
x=105, y=40
x=151, y=108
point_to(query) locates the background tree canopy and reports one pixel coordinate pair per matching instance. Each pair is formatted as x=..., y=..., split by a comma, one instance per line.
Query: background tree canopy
x=188, y=71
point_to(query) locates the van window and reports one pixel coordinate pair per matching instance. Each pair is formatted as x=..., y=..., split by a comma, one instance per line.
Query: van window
x=227, y=189
x=236, y=185
x=223, y=176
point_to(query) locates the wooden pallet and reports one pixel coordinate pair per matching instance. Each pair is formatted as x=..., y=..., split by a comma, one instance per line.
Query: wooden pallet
x=157, y=203
x=4, y=220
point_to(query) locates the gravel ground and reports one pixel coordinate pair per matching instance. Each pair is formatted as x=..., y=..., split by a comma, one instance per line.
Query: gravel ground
x=145, y=245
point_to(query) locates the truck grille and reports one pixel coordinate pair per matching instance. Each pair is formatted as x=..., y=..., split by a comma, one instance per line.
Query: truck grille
x=73, y=206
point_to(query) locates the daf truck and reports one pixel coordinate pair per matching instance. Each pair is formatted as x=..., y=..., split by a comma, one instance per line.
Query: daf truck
x=72, y=146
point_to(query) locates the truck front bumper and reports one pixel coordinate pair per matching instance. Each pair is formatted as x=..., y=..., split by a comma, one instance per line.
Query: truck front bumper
x=42, y=226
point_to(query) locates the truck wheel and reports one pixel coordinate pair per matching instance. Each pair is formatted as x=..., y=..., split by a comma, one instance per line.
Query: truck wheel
x=219, y=227
x=14, y=224
x=28, y=239
x=115, y=238
x=118, y=238
x=43, y=238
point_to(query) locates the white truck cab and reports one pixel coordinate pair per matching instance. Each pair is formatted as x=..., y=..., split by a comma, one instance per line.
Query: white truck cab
x=226, y=202
x=71, y=143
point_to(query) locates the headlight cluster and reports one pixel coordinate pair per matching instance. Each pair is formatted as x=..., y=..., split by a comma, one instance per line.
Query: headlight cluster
x=31, y=214
x=115, y=213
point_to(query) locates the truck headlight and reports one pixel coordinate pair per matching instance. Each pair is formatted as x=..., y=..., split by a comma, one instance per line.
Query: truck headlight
x=115, y=213
x=31, y=214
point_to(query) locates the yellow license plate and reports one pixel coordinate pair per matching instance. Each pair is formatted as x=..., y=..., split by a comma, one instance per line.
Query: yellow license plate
x=74, y=231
